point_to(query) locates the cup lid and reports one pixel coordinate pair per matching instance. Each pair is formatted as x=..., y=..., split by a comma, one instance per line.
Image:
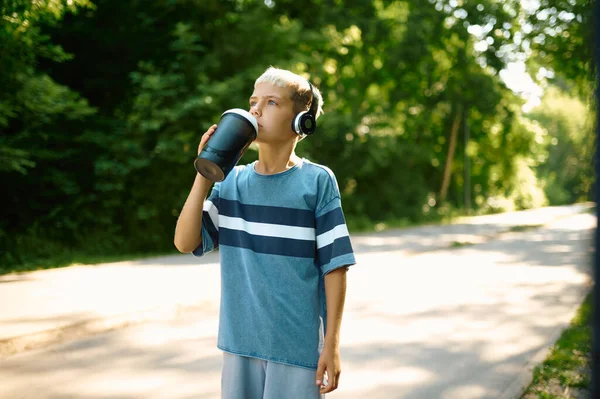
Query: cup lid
x=245, y=114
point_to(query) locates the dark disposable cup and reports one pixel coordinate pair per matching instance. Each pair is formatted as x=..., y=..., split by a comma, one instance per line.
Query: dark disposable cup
x=236, y=130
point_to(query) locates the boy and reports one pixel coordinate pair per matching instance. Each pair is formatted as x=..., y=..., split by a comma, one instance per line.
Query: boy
x=284, y=250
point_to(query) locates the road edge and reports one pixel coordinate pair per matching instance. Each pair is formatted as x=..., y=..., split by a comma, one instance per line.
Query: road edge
x=518, y=385
x=83, y=329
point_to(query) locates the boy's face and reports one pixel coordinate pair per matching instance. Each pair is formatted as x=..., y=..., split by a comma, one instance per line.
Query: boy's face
x=272, y=107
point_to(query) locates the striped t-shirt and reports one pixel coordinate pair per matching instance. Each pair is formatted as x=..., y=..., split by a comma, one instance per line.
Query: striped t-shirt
x=278, y=235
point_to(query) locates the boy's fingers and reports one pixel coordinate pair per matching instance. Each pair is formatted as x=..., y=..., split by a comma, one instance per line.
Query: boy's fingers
x=320, y=373
x=332, y=383
x=206, y=136
x=336, y=381
x=210, y=131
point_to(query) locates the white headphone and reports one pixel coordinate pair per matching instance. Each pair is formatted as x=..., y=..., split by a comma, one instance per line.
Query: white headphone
x=305, y=122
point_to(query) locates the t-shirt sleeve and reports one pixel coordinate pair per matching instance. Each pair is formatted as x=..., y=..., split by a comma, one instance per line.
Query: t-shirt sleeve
x=210, y=223
x=334, y=249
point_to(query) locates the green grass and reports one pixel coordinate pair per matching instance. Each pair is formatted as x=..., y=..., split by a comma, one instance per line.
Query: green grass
x=62, y=257
x=567, y=366
x=591, y=210
x=65, y=259
x=52, y=255
x=524, y=227
x=459, y=244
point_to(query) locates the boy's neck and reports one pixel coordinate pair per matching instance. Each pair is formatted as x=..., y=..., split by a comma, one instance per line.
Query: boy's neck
x=276, y=158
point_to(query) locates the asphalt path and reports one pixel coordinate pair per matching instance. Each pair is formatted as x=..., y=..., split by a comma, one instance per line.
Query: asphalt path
x=465, y=322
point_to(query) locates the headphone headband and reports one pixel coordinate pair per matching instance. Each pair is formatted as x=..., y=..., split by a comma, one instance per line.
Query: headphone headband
x=314, y=105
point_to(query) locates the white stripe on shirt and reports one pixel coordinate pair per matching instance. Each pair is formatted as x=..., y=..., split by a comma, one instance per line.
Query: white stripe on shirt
x=330, y=236
x=267, y=229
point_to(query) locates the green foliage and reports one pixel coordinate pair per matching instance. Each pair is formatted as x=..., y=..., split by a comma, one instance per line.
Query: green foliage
x=102, y=107
x=564, y=128
x=30, y=101
x=567, y=365
x=559, y=36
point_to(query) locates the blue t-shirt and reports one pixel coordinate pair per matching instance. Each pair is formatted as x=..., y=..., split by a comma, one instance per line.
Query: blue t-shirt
x=278, y=235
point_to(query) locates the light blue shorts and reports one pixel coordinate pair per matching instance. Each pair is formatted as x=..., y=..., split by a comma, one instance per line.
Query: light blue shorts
x=249, y=378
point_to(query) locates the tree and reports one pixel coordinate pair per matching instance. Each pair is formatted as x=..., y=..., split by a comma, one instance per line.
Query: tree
x=107, y=103
x=558, y=37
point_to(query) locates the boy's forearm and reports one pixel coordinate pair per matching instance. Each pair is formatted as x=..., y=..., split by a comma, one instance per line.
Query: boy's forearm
x=335, y=293
x=188, y=232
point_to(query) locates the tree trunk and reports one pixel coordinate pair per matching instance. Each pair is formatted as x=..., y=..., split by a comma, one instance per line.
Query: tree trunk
x=450, y=157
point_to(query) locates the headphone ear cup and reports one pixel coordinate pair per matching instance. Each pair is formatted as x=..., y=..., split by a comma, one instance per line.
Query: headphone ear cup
x=304, y=124
x=297, y=123
x=309, y=124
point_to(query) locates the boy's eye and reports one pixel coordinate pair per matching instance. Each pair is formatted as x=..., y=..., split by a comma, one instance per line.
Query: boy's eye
x=271, y=102
x=252, y=103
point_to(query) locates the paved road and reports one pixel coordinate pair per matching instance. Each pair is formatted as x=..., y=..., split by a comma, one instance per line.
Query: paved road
x=78, y=300
x=459, y=323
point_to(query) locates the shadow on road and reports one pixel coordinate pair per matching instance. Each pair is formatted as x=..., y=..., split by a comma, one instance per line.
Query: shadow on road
x=151, y=361
x=461, y=323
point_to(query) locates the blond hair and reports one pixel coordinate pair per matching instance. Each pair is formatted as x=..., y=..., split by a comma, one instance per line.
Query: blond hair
x=301, y=97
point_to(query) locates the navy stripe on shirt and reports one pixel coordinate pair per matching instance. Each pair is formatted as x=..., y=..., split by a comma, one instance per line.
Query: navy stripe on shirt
x=328, y=221
x=340, y=246
x=267, y=214
x=210, y=228
x=268, y=245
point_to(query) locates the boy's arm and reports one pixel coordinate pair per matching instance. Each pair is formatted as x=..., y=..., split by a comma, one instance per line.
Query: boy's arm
x=188, y=232
x=335, y=293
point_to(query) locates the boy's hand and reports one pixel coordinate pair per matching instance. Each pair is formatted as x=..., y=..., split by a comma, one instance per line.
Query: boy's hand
x=329, y=362
x=205, y=137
